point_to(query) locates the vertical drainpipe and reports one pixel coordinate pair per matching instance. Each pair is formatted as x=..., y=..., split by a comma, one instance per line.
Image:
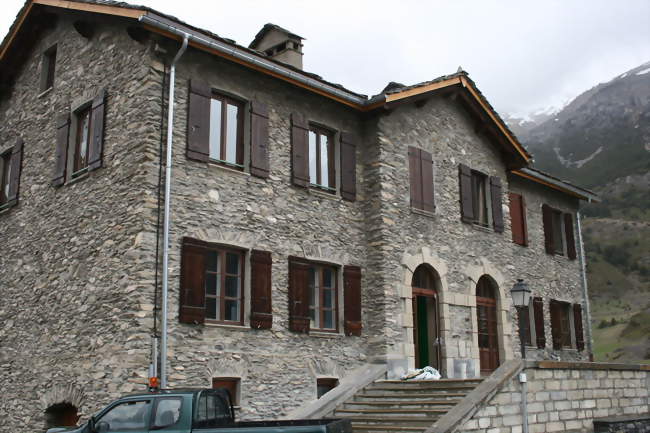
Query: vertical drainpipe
x=585, y=293
x=168, y=178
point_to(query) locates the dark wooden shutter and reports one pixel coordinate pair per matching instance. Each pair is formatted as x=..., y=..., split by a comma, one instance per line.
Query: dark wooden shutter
x=556, y=325
x=96, y=145
x=198, y=121
x=261, y=307
x=570, y=239
x=259, y=139
x=415, y=177
x=15, y=169
x=299, y=150
x=518, y=219
x=348, y=167
x=352, y=299
x=192, y=292
x=298, y=295
x=61, y=150
x=497, y=209
x=540, y=333
x=577, y=322
x=426, y=169
x=547, y=219
x=465, y=181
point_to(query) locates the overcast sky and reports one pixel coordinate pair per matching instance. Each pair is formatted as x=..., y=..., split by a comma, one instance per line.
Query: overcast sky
x=523, y=55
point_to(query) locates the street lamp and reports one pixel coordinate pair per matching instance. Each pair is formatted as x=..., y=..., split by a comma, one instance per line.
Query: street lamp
x=520, y=297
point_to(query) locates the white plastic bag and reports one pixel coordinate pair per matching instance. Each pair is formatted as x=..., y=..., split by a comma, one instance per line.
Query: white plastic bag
x=426, y=373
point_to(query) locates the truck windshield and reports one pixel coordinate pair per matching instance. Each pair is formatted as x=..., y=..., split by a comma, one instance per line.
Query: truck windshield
x=125, y=416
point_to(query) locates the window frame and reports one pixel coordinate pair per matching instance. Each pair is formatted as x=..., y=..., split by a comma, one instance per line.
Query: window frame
x=48, y=68
x=232, y=384
x=240, y=151
x=82, y=113
x=566, y=327
x=222, y=252
x=532, y=334
x=319, y=131
x=316, y=323
x=5, y=175
x=484, y=180
x=559, y=240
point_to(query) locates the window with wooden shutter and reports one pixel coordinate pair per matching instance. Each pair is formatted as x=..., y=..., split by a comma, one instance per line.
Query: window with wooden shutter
x=538, y=312
x=348, y=167
x=497, y=209
x=10, y=170
x=568, y=235
x=547, y=220
x=466, y=196
x=261, y=281
x=96, y=145
x=560, y=324
x=226, y=137
x=61, y=149
x=518, y=219
x=524, y=323
x=321, y=153
x=48, y=68
x=421, y=179
x=352, y=300
x=299, y=153
x=298, y=295
x=192, y=290
x=577, y=326
x=259, y=165
x=198, y=120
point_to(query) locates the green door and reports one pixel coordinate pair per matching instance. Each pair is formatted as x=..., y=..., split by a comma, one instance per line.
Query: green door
x=422, y=332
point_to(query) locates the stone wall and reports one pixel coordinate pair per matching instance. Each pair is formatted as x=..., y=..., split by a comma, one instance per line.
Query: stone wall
x=75, y=310
x=460, y=253
x=567, y=397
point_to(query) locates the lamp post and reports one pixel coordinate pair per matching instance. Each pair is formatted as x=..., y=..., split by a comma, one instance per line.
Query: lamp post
x=520, y=298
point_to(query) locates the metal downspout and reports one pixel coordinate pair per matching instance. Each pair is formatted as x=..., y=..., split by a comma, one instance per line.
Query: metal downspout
x=585, y=292
x=168, y=178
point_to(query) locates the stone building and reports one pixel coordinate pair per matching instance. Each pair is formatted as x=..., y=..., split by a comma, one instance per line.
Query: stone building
x=314, y=230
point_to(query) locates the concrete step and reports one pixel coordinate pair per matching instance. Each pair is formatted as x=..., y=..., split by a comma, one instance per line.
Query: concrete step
x=410, y=387
x=406, y=404
x=379, y=395
x=406, y=421
x=474, y=380
x=344, y=413
x=365, y=428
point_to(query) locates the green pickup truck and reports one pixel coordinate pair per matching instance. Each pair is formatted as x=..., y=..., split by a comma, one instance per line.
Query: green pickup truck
x=190, y=411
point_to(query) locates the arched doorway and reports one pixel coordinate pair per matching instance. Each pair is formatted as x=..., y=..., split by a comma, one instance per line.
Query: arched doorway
x=426, y=324
x=486, y=312
x=61, y=415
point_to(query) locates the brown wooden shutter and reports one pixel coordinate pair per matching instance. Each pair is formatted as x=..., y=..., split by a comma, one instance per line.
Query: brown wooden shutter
x=298, y=295
x=465, y=181
x=540, y=333
x=556, y=326
x=348, y=167
x=61, y=150
x=259, y=139
x=570, y=239
x=198, y=121
x=299, y=150
x=518, y=219
x=15, y=169
x=192, y=291
x=95, y=148
x=426, y=170
x=352, y=300
x=497, y=209
x=415, y=177
x=577, y=322
x=261, y=307
x=547, y=219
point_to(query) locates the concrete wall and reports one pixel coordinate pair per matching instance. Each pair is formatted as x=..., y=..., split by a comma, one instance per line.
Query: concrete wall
x=565, y=398
x=75, y=310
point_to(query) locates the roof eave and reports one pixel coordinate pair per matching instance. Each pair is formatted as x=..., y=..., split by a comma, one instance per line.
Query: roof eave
x=557, y=184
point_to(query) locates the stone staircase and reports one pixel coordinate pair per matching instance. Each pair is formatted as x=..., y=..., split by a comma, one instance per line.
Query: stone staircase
x=403, y=406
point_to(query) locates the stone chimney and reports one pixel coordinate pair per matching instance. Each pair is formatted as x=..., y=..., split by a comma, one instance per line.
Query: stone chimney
x=279, y=44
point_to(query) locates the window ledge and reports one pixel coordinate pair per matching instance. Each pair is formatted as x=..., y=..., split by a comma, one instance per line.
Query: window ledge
x=45, y=92
x=5, y=208
x=324, y=334
x=227, y=169
x=482, y=228
x=226, y=326
x=324, y=194
x=79, y=178
x=423, y=212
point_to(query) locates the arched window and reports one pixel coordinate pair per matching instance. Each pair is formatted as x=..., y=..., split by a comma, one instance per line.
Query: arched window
x=61, y=415
x=424, y=278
